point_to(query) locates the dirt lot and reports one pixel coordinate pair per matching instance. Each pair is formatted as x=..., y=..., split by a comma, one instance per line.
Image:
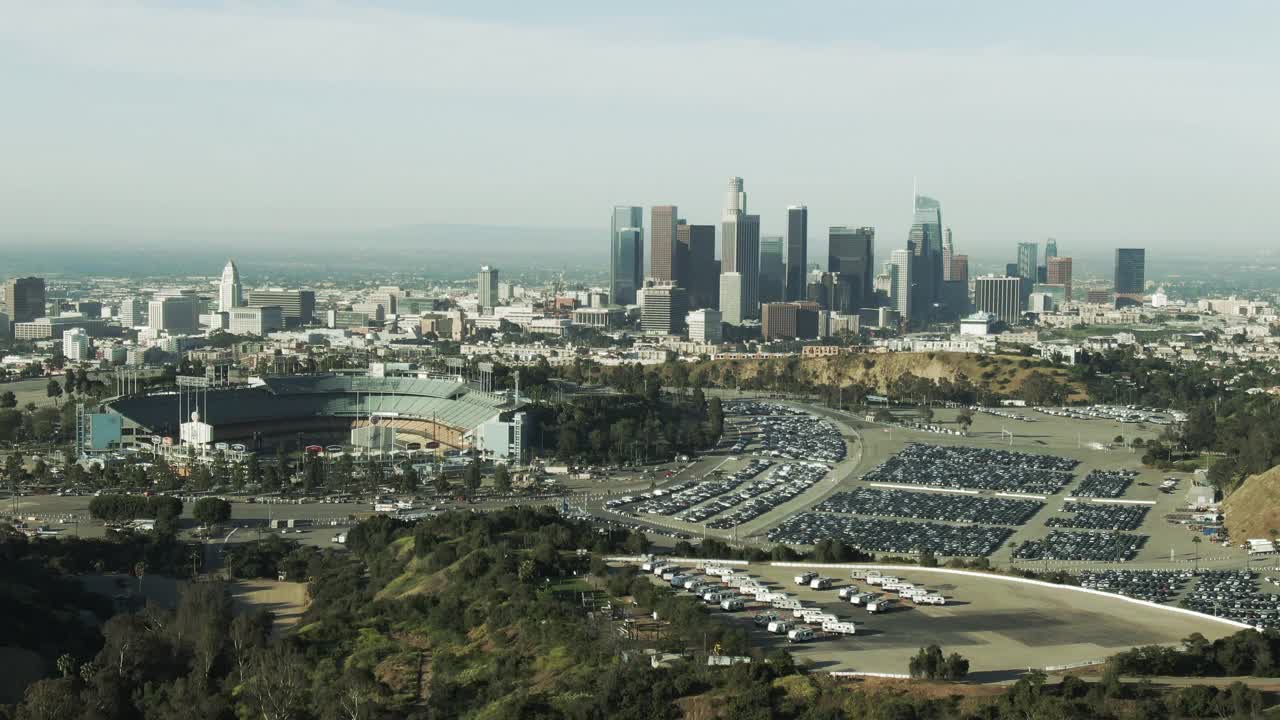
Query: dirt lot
x=286, y=600
x=1001, y=626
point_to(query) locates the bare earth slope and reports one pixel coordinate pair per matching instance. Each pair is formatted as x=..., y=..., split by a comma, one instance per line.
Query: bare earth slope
x=1254, y=508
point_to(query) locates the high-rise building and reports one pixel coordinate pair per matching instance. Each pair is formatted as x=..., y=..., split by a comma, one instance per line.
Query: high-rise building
x=487, y=281
x=1027, y=262
x=773, y=276
x=731, y=290
x=698, y=253
x=174, y=314
x=797, y=252
x=900, y=298
x=626, y=254
x=960, y=268
x=230, y=294
x=948, y=251
x=25, y=298
x=1050, y=249
x=749, y=265
x=704, y=326
x=1131, y=269
x=665, y=306
x=662, y=243
x=76, y=346
x=1000, y=296
x=133, y=313
x=851, y=252
x=925, y=244
x=298, y=307
x=1058, y=272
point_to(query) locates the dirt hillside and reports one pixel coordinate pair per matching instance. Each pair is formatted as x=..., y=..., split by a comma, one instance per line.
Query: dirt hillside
x=1254, y=508
x=1003, y=374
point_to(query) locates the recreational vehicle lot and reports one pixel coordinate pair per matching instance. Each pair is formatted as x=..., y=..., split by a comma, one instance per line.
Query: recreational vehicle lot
x=1000, y=625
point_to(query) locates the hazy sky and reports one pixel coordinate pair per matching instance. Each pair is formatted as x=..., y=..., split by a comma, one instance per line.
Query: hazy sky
x=1100, y=123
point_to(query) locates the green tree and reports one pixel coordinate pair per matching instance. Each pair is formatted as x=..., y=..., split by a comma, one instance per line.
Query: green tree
x=441, y=483
x=501, y=479
x=8, y=399
x=211, y=511
x=471, y=478
x=53, y=390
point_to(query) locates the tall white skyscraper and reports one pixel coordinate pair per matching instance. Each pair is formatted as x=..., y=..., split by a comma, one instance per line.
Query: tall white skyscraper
x=76, y=346
x=229, y=290
x=900, y=261
x=731, y=298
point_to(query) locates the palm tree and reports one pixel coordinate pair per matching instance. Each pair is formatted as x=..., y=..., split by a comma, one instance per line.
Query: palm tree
x=1196, y=540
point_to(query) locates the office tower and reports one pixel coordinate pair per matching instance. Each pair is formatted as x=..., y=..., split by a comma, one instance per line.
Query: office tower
x=1050, y=249
x=1011, y=269
x=664, y=308
x=75, y=345
x=797, y=251
x=704, y=326
x=925, y=244
x=681, y=268
x=662, y=243
x=900, y=298
x=699, y=271
x=884, y=285
x=1027, y=262
x=773, y=275
x=255, y=320
x=626, y=254
x=851, y=252
x=89, y=308
x=788, y=320
x=133, y=313
x=298, y=307
x=24, y=298
x=731, y=250
x=731, y=289
x=487, y=281
x=960, y=268
x=174, y=314
x=230, y=294
x=948, y=252
x=749, y=244
x=1131, y=267
x=1000, y=296
x=1058, y=272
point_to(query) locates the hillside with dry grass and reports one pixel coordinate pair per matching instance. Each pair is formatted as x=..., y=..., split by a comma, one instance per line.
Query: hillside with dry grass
x=881, y=372
x=1253, y=510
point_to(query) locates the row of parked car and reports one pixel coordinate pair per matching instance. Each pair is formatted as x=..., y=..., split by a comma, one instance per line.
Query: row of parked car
x=1097, y=516
x=616, y=503
x=791, y=434
x=971, y=468
x=1079, y=545
x=788, y=482
x=932, y=506
x=891, y=536
x=1159, y=586
x=690, y=494
x=1105, y=483
x=1234, y=595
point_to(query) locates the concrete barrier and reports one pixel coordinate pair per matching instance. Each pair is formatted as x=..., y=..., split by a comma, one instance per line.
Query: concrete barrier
x=957, y=491
x=859, y=673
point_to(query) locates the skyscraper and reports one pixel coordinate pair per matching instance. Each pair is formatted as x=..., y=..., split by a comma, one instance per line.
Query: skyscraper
x=731, y=298
x=851, y=252
x=773, y=275
x=960, y=268
x=626, y=253
x=698, y=255
x=1130, y=278
x=487, y=282
x=1000, y=296
x=662, y=243
x=925, y=244
x=1050, y=249
x=1058, y=272
x=1027, y=261
x=797, y=251
x=900, y=262
x=948, y=251
x=749, y=243
x=230, y=294
x=24, y=298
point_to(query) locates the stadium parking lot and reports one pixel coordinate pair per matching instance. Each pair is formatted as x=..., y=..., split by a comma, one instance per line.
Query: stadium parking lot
x=1096, y=516
x=975, y=468
x=949, y=507
x=896, y=537
x=1091, y=546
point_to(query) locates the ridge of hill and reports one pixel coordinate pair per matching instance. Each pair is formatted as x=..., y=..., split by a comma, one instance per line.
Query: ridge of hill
x=1253, y=510
x=1001, y=374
